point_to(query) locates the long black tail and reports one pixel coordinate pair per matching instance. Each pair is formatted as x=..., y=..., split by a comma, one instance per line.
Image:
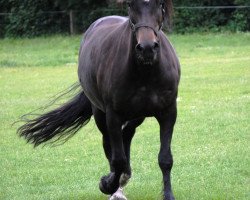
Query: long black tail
x=61, y=123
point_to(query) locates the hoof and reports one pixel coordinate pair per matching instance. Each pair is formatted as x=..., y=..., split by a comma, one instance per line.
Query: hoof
x=169, y=196
x=108, y=184
x=118, y=195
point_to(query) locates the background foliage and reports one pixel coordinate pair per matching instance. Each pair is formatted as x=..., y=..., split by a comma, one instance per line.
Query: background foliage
x=212, y=19
x=39, y=17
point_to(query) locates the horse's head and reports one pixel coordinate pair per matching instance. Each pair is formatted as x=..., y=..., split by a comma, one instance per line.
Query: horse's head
x=146, y=19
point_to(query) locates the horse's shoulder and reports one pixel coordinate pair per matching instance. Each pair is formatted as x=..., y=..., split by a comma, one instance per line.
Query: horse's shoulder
x=165, y=40
x=166, y=43
x=169, y=53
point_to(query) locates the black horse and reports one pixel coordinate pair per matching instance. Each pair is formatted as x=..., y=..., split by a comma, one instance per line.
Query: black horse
x=128, y=70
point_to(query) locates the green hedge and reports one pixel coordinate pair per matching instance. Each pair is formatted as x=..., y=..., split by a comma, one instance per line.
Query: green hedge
x=212, y=19
x=29, y=19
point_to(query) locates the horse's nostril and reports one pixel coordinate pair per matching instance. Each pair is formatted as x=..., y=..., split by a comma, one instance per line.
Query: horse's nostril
x=139, y=47
x=147, y=47
x=156, y=45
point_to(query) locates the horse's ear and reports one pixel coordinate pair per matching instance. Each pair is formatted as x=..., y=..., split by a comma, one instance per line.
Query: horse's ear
x=168, y=13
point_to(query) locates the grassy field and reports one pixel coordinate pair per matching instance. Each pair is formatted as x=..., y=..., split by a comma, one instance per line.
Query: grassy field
x=210, y=144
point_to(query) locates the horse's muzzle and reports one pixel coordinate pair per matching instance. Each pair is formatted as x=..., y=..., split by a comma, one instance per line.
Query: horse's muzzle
x=147, y=52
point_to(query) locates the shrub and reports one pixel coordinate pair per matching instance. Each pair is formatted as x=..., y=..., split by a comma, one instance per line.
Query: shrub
x=28, y=19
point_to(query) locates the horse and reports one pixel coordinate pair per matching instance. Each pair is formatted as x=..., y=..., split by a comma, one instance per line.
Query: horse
x=128, y=70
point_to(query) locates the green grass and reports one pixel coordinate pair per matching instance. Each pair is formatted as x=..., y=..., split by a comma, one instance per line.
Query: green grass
x=210, y=143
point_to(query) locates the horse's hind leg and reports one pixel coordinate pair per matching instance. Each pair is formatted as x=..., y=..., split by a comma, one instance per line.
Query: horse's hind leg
x=100, y=119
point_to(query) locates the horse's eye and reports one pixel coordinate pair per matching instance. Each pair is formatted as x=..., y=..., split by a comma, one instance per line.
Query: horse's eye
x=128, y=3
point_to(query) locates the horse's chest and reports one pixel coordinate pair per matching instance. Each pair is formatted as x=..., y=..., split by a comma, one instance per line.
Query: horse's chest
x=151, y=98
x=144, y=101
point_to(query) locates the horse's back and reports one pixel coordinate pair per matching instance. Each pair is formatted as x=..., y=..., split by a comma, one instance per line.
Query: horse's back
x=107, y=22
x=103, y=32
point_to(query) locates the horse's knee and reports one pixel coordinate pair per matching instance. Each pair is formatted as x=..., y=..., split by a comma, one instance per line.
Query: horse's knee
x=166, y=163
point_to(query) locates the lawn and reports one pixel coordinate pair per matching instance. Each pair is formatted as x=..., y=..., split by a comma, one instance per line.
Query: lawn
x=210, y=143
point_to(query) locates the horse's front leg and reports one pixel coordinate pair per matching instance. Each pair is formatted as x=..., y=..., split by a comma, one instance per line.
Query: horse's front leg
x=110, y=183
x=128, y=131
x=166, y=121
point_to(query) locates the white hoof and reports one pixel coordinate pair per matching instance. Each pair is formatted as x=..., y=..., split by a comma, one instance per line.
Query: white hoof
x=118, y=195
